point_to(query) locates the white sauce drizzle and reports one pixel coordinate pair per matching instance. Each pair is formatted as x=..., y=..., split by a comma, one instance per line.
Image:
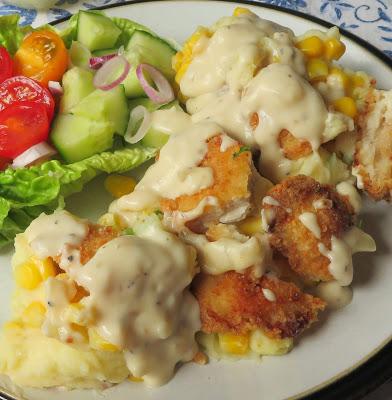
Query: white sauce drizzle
x=340, y=255
x=271, y=201
x=176, y=172
x=226, y=143
x=309, y=220
x=45, y=237
x=348, y=190
x=170, y=121
x=322, y=203
x=223, y=85
x=334, y=294
x=228, y=254
x=137, y=292
x=269, y=294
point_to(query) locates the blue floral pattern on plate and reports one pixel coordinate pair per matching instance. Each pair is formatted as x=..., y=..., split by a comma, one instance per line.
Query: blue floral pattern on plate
x=369, y=19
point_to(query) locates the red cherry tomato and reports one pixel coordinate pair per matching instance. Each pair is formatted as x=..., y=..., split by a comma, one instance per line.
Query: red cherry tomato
x=22, y=126
x=4, y=163
x=6, y=64
x=20, y=89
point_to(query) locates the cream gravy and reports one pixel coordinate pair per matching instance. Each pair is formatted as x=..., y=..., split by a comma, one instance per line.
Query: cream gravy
x=137, y=293
x=309, y=220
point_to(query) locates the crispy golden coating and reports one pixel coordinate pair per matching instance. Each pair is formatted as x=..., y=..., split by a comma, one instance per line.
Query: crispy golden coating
x=373, y=154
x=293, y=148
x=232, y=171
x=97, y=236
x=292, y=238
x=233, y=302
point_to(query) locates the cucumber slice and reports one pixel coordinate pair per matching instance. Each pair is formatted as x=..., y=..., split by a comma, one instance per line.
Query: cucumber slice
x=77, y=138
x=96, y=31
x=146, y=48
x=105, y=52
x=109, y=105
x=77, y=84
x=154, y=50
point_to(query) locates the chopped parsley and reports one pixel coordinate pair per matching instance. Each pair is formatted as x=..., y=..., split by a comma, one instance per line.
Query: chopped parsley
x=241, y=150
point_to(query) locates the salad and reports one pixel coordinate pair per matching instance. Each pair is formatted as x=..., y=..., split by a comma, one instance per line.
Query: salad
x=237, y=237
x=66, y=101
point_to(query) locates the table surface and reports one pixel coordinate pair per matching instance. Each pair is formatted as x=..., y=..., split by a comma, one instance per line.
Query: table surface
x=369, y=19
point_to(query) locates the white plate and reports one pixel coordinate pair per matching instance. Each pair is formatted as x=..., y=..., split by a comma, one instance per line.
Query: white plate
x=334, y=346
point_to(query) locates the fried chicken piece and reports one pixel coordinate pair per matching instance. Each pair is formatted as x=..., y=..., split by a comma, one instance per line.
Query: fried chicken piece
x=237, y=303
x=289, y=236
x=293, y=148
x=97, y=236
x=373, y=154
x=235, y=179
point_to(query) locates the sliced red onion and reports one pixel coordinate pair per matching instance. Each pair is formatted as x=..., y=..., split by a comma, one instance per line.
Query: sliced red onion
x=97, y=62
x=164, y=94
x=112, y=73
x=55, y=88
x=137, y=114
x=38, y=152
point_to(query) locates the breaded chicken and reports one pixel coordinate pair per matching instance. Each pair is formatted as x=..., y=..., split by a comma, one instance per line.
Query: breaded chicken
x=235, y=179
x=373, y=154
x=237, y=303
x=97, y=236
x=288, y=235
x=293, y=148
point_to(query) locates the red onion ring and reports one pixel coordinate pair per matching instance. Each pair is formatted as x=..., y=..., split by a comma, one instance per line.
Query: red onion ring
x=55, y=88
x=97, y=62
x=103, y=79
x=38, y=152
x=137, y=114
x=164, y=94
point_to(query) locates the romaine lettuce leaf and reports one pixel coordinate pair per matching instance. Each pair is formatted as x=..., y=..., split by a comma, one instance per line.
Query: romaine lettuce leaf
x=27, y=192
x=11, y=33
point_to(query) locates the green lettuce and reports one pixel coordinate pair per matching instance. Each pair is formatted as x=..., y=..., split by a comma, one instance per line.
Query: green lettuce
x=11, y=33
x=27, y=192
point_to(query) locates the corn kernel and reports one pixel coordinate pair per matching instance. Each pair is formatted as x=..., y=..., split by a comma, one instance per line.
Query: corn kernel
x=135, y=379
x=27, y=275
x=234, y=344
x=119, y=185
x=346, y=105
x=80, y=293
x=334, y=49
x=357, y=80
x=317, y=69
x=311, y=46
x=341, y=76
x=99, y=343
x=12, y=325
x=250, y=226
x=34, y=314
x=81, y=331
x=47, y=268
x=241, y=11
x=275, y=59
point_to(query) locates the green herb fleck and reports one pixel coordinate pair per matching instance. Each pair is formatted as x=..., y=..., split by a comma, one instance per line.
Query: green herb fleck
x=158, y=213
x=128, y=231
x=241, y=150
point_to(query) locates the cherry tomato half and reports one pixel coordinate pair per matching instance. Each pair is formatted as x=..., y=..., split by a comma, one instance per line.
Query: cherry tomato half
x=42, y=56
x=4, y=163
x=22, y=126
x=20, y=89
x=6, y=65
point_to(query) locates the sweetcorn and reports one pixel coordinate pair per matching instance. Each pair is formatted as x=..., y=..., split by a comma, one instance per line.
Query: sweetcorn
x=347, y=106
x=99, y=343
x=33, y=272
x=234, y=344
x=119, y=185
x=250, y=226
